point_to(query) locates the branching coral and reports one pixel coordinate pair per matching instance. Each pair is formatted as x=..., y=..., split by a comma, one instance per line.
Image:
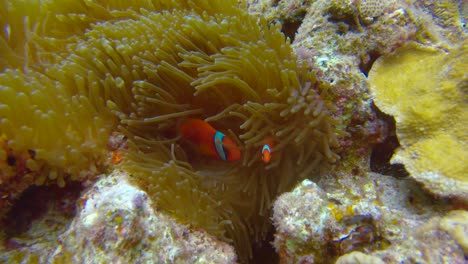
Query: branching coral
x=425, y=89
x=164, y=61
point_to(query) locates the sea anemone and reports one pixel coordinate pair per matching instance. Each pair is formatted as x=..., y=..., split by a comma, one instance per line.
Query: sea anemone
x=141, y=68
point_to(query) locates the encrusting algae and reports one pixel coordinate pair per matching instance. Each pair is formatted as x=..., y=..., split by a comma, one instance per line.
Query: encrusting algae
x=142, y=71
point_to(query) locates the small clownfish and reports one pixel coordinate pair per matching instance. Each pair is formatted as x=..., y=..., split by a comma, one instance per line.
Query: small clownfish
x=116, y=157
x=266, y=150
x=208, y=140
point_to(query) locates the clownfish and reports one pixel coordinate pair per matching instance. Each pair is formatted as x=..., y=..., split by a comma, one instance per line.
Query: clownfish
x=208, y=140
x=116, y=157
x=266, y=150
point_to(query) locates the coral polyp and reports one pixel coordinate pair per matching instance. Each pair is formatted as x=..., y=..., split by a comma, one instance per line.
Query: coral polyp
x=141, y=71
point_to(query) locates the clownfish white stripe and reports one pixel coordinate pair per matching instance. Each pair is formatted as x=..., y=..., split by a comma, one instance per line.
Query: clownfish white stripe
x=208, y=141
x=218, y=142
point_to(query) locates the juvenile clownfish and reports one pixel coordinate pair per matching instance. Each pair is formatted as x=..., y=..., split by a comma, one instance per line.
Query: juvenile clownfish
x=266, y=150
x=116, y=157
x=208, y=140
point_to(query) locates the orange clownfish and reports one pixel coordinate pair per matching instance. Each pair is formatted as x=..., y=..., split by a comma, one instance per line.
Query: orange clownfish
x=209, y=141
x=266, y=150
x=116, y=157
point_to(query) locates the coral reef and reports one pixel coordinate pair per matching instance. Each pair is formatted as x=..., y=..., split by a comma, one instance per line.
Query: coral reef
x=339, y=47
x=140, y=68
x=455, y=223
x=116, y=222
x=357, y=257
x=430, y=242
x=368, y=9
x=288, y=13
x=450, y=15
x=98, y=86
x=432, y=134
x=386, y=218
x=340, y=40
x=295, y=227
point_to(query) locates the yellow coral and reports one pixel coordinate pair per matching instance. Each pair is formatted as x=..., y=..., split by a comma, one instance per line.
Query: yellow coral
x=425, y=89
